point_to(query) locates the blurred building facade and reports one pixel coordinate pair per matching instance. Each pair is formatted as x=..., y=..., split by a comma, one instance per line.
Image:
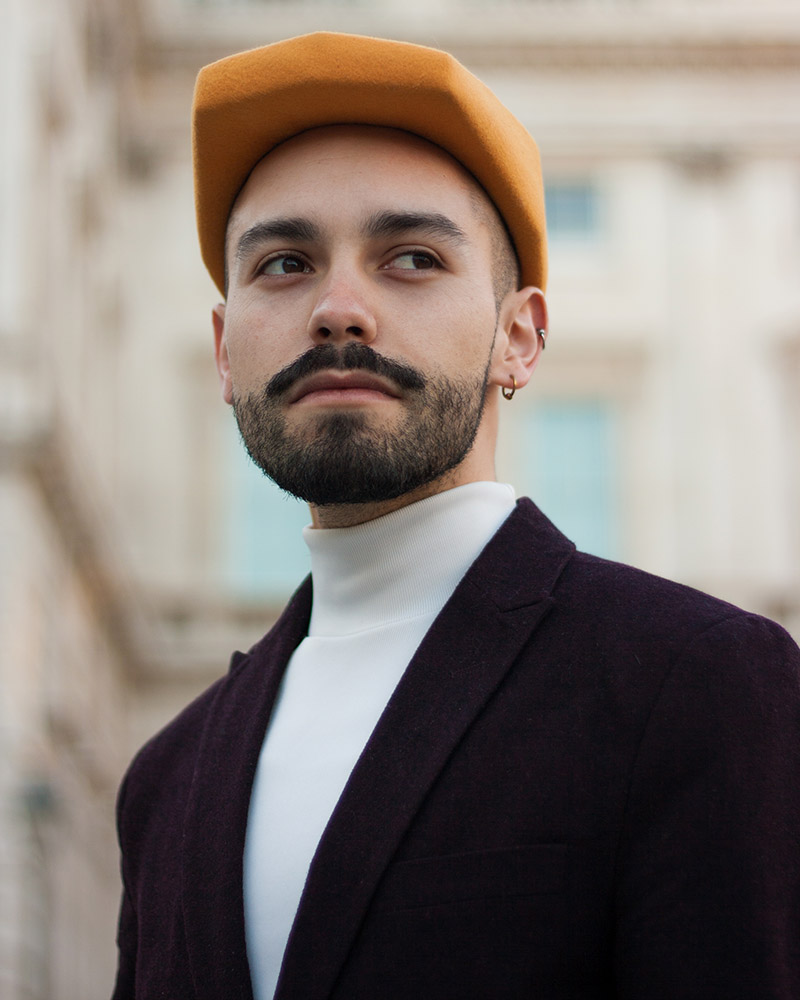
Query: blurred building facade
x=138, y=548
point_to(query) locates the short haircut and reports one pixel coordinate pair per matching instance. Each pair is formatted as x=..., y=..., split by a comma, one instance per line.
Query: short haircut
x=505, y=265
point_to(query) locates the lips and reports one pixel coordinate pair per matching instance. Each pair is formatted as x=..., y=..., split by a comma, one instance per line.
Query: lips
x=336, y=381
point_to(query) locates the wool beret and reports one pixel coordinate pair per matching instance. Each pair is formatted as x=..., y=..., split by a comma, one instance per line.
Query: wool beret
x=246, y=104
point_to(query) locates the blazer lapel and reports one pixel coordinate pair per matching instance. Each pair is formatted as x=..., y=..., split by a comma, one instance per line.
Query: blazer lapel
x=461, y=661
x=216, y=815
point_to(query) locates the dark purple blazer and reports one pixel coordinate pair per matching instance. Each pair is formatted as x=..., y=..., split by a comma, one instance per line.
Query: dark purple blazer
x=586, y=785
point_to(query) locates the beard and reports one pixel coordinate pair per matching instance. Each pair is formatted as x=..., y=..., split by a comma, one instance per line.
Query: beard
x=340, y=457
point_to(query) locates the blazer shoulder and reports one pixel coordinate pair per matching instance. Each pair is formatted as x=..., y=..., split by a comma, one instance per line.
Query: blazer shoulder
x=169, y=756
x=629, y=605
x=598, y=595
x=161, y=771
x=603, y=612
x=179, y=736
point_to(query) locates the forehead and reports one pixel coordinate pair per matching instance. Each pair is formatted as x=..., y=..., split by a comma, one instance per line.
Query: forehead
x=359, y=164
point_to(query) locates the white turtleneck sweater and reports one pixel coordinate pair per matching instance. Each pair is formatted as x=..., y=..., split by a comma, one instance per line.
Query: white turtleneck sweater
x=378, y=586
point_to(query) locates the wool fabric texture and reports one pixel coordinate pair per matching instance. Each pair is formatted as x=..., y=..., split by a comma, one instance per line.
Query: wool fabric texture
x=247, y=104
x=585, y=785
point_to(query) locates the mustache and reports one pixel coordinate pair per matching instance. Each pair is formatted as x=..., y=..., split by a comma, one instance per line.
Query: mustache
x=325, y=357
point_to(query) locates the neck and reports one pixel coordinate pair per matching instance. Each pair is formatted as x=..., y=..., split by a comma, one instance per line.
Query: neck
x=402, y=565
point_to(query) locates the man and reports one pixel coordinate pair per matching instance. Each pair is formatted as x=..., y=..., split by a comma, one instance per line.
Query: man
x=474, y=763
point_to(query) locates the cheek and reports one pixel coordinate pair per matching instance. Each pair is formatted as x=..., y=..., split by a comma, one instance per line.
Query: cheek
x=462, y=337
x=258, y=345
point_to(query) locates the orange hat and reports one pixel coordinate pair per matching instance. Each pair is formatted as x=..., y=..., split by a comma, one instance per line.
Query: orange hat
x=247, y=104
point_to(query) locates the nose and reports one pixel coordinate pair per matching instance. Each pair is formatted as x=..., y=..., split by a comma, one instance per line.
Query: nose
x=342, y=312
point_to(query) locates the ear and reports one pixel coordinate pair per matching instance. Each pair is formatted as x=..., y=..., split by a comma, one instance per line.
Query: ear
x=221, y=352
x=518, y=346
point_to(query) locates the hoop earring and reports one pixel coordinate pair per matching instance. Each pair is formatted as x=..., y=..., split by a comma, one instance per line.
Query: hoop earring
x=543, y=334
x=506, y=393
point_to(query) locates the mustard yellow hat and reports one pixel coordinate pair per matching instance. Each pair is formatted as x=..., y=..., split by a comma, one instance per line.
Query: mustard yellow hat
x=247, y=104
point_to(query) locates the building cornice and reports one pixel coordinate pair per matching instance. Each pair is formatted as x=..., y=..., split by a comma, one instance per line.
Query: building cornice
x=513, y=37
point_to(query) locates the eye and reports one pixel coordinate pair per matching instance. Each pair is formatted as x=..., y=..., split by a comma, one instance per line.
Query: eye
x=284, y=263
x=414, y=260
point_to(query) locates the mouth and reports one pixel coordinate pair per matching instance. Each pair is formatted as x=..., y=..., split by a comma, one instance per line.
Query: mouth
x=335, y=386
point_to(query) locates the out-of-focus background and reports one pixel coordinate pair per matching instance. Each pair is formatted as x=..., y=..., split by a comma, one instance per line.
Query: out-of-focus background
x=138, y=547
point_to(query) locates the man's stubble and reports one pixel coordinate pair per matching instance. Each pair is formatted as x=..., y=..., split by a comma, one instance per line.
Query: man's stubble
x=344, y=457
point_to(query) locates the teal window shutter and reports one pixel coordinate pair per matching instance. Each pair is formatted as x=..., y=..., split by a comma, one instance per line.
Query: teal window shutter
x=571, y=464
x=265, y=556
x=572, y=209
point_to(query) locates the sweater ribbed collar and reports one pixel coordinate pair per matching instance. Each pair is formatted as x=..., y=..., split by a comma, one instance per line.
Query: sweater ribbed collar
x=404, y=564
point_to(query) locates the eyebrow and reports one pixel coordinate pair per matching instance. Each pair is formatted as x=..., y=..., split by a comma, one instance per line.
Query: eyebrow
x=380, y=225
x=384, y=224
x=294, y=230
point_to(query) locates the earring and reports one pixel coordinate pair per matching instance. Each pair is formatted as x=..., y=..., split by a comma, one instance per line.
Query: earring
x=543, y=334
x=510, y=394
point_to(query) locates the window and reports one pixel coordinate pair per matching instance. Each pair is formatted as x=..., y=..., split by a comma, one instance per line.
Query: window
x=569, y=462
x=265, y=555
x=572, y=209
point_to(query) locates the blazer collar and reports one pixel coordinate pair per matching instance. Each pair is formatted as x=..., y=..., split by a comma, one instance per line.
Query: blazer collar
x=503, y=597
x=216, y=814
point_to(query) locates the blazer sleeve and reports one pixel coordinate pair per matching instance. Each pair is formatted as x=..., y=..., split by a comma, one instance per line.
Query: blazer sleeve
x=708, y=873
x=125, y=985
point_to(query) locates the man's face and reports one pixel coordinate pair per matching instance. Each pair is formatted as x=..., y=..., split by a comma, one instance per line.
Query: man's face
x=358, y=336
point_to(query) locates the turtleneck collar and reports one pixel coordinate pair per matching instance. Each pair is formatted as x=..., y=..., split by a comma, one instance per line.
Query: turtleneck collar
x=404, y=564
